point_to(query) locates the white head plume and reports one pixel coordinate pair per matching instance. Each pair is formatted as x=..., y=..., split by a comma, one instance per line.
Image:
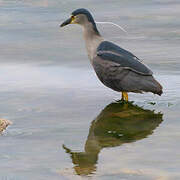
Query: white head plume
x=112, y=24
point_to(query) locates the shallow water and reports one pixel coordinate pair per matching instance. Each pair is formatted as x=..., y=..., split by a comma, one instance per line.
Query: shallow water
x=66, y=124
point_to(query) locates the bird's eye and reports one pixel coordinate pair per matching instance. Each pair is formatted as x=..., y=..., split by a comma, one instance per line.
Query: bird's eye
x=72, y=18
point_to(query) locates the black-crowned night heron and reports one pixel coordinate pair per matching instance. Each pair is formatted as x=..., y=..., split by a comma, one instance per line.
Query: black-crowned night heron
x=116, y=68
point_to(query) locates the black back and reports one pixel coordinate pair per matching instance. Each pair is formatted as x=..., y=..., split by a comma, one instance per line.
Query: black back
x=111, y=52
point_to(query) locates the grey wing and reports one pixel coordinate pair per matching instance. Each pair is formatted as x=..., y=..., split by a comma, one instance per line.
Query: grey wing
x=118, y=78
x=109, y=73
x=120, y=70
x=113, y=53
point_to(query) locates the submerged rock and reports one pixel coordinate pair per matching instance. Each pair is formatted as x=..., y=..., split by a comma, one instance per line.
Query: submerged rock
x=3, y=124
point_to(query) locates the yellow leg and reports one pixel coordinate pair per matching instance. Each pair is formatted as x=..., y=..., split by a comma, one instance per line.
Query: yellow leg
x=124, y=96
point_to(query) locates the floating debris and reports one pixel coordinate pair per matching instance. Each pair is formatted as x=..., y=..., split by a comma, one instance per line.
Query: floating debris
x=3, y=124
x=152, y=103
x=169, y=104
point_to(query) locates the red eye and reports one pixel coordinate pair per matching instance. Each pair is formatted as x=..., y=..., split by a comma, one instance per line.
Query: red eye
x=72, y=18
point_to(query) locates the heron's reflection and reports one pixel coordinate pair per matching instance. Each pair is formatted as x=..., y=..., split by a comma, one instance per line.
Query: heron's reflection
x=118, y=123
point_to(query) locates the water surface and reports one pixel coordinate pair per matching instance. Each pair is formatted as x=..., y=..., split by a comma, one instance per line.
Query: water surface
x=66, y=124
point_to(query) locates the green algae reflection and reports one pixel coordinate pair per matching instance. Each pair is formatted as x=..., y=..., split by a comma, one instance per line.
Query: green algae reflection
x=118, y=123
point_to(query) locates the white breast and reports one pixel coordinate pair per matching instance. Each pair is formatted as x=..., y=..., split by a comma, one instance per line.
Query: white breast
x=92, y=41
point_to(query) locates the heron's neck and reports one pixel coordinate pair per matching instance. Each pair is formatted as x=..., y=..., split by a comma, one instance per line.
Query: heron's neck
x=92, y=40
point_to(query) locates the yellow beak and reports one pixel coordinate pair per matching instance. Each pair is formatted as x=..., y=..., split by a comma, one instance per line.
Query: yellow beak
x=68, y=21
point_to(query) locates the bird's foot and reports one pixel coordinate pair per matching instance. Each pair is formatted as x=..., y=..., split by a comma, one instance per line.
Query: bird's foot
x=124, y=97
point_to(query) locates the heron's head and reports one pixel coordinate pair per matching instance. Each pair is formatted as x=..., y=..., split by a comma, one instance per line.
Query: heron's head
x=82, y=17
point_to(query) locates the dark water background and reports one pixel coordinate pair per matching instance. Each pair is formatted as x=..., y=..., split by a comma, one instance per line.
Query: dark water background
x=66, y=124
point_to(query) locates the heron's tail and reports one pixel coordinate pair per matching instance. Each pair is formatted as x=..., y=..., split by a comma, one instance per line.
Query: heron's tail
x=150, y=84
x=159, y=87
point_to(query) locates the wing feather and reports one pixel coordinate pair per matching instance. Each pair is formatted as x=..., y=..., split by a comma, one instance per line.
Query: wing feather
x=111, y=52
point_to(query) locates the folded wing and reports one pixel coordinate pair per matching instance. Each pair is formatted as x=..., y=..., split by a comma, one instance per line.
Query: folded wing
x=111, y=52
